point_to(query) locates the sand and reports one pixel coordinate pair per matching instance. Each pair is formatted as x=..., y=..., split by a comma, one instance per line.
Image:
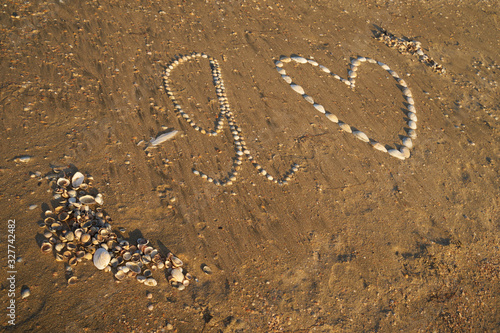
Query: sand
x=357, y=242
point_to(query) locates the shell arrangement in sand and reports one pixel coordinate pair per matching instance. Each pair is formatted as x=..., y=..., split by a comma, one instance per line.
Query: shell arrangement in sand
x=78, y=229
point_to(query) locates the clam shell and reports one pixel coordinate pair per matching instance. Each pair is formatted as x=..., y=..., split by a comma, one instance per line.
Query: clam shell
x=46, y=247
x=396, y=153
x=412, y=124
x=299, y=59
x=177, y=274
x=361, y=136
x=87, y=200
x=345, y=127
x=378, y=146
x=134, y=267
x=72, y=280
x=332, y=117
x=176, y=262
x=405, y=151
x=324, y=69
x=150, y=282
x=408, y=143
x=99, y=199
x=101, y=258
x=141, y=278
x=120, y=275
x=319, y=107
x=59, y=247
x=286, y=78
x=297, y=88
x=77, y=179
x=63, y=182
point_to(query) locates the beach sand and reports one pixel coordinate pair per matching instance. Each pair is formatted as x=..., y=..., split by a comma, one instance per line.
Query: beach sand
x=358, y=241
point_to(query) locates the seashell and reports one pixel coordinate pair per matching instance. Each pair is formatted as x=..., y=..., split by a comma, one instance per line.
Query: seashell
x=72, y=280
x=285, y=59
x=80, y=254
x=87, y=200
x=147, y=273
x=87, y=256
x=77, y=179
x=136, y=257
x=278, y=63
x=185, y=283
x=163, y=137
x=53, y=240
x=131, y=274
x=46, y=247
x=120, y=275
x=86, y=239
x=405, y=151
x=324, y=69
x=176, y=262
x=150, y=282
x=312, y=62
x=287, y=79
x=141, y=278
x=412, y=124
x=160, y=265
x=396, y=153
x=59, y=257
x=299, y=59
x=73, y=261
x=281, y=70
x=181, y=287
x=101, y=258
x=63, y=216
x=177, y=274
x=59, y=247
x=332, y=117
x=206, y=269
x=410, y=100
x=72, y=201
x=63, y=182
x=142, y=241
x=56, y=226
x=78, y=233
x=49, y=220
x=378, y=146
x=361, y=136
x=308, y=98
x=297, y=88
x=411, y=108
x=47, y=234
x=407, y=142
x=148, y=250
x=107, y=269
x=154, y=253
x=99, y=199
x=412, y=116
x=412, y=134
x=345, y=127
x=134, y=267
x=319, y=107
x=188, y=276
x=72, y=193
x=352, y=74
x=127, y=256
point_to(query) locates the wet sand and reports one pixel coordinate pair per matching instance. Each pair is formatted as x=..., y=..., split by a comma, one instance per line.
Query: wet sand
x=358, y=241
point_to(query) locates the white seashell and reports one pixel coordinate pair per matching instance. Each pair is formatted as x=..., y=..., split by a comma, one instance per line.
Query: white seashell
x=412, y=124
x=77, y=179
x=285, y=59
x=176, y=262
x=332, y=117
x=402, y=83
x=163, y=137
x=308, y=98
x=150, y=282
x=396, y=153
x=324, y=69
x=407, y=92
x=356, y=62
x=312, y=62
x=408, y=143
x=87, y=200
x=405, y=151
x=99, y=199
x=319, y=107
x=287, y=79
x=101, y=258
x=63, y=182
x=299, y=59
x=378, y=146
x=361, y=136
x=134, y=267
x=352, y=74
x=278, y=63
x=25, y=292
x=297, y=88
x=412, y=134
x=177, y=274
x=371, y=61
x=387, y=68
x=345, y=127
x=141, y=278
x=411, y=108
x=412, y=116
x=281, y=70
x=362, y=59
x=120, y=275
x=410, y=100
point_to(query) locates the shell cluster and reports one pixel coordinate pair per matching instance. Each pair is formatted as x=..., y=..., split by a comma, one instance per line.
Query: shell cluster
x=404, y=151
x=225, y=114
x=408, y=46
x=78, y=229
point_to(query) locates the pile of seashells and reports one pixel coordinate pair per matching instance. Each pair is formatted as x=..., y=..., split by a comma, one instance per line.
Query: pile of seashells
x=78, y=229
x=408, y=46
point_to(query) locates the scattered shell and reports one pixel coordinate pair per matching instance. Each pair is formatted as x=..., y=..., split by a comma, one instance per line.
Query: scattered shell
x=77, y=179
x=63, y=182
x=120, y=275
x=46, y=247
x=134, y=267
x=99, y=199
x=177, y=274
x=72, y=280
x=150, y=282
x=87, y=200
x=101, y=258
x=25, y=292
x=176, y=262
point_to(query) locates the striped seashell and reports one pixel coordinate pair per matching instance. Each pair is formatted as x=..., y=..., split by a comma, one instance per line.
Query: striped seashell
x=297, y=88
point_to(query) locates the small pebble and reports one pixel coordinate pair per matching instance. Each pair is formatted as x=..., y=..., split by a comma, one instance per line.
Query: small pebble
x=169, y=327
x=149, y=295
x=151, y=307
x=32, y=207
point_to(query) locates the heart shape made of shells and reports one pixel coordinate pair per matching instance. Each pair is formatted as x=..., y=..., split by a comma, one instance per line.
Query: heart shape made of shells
x=407, y=143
